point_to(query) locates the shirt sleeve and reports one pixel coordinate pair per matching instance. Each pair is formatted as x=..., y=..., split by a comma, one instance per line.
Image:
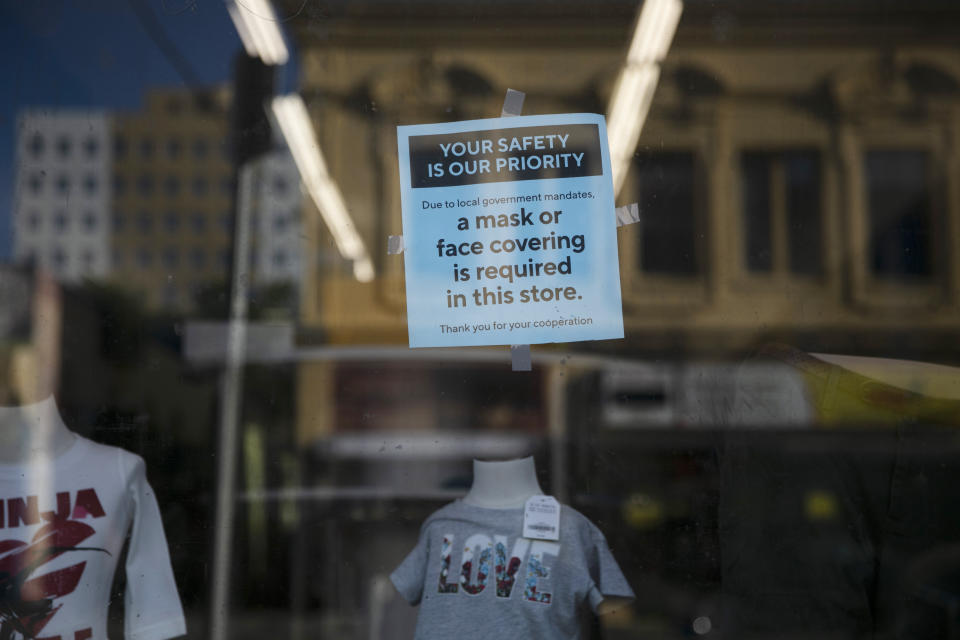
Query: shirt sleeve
x=153, y=610
x=409, y=576
x=608, y=581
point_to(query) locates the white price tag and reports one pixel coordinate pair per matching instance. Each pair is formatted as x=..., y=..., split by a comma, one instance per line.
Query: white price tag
x=541, y=518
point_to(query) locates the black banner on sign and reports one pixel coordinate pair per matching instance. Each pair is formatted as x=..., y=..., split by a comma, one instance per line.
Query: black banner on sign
x=502, y=155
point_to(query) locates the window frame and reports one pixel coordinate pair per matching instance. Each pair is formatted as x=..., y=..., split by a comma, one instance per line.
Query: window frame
x=780, y=272
x=779, y=128
x=873, y=293
x=666, y=291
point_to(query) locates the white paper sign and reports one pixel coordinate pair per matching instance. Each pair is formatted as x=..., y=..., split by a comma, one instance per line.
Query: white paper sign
x=541, y=518
x=509, y=231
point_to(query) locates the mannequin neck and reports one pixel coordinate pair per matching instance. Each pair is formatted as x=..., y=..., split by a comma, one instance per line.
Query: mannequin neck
x=503, y=485
x=33, y=431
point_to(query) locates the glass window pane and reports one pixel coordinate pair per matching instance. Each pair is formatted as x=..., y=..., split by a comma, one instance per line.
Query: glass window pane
x=197, y=288
x=666, y=184
x=900, y=216
x=755, y=190
x=804, y=216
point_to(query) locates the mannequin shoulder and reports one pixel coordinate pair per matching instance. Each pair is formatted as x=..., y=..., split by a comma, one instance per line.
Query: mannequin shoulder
x=95, y=453
x=447, y=511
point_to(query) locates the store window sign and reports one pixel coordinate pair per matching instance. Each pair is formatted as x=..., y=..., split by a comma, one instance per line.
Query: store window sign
x=509, y=231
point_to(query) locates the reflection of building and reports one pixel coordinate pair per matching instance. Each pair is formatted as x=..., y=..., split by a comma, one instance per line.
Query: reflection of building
x=799, y=192
x=173, y=191
x=145, y=199
x=275, y=221
x=62, y=201
x=794, y=184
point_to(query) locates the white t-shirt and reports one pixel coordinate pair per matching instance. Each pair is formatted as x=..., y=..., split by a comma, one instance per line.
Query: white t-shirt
x=63, y=523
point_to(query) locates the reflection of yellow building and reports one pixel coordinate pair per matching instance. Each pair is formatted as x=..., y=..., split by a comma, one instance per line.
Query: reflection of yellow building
x=795, y=184
x=173, y=189
x=793, y=175
x=795, y=188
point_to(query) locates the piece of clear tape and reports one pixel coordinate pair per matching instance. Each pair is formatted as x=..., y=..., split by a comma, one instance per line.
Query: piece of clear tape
x=394, y=245
x=628, y=214
x=520, y=359
x=513, y=103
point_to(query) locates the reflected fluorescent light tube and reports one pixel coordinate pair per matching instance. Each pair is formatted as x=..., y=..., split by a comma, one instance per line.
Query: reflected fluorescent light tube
x=633, y=92
x=245, y=36
x=291, y=116
x=256, y=23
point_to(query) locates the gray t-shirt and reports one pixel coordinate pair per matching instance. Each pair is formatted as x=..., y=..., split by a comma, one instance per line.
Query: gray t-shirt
x=475, y=576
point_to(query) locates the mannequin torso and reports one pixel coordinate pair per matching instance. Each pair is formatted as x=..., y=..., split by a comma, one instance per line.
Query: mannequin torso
x=503, y=485
x=33, y=431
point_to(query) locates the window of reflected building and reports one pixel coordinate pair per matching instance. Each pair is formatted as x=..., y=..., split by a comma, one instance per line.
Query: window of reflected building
x=64, y=147
x=147, y=148
x=90, y=147
x=903, y=231
x=144, y=258
x=90, y=221
x=173, y=148
x=37, y=145
x=171, y=221
x=782, y=217
x=669, y=195
x=145, y=222
x=90, y=184
x=120, y=146
x=171, y=185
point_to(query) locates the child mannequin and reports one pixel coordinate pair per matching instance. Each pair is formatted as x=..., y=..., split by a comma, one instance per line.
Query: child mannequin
x=33, y=431
x=503, y=485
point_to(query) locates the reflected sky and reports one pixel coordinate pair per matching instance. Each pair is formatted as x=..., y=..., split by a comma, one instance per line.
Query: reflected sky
x=101, y=54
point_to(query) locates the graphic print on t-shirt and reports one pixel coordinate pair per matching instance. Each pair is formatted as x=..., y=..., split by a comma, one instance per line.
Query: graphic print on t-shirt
x=29, y=596
x=63, y=525
x=487, y=550
x=475, y=576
